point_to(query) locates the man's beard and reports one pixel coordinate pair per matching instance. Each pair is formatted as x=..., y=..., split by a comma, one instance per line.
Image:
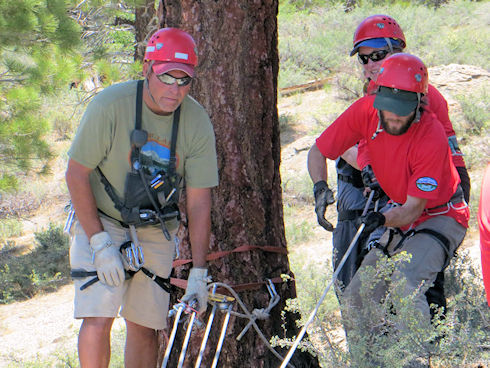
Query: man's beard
x=400, y=131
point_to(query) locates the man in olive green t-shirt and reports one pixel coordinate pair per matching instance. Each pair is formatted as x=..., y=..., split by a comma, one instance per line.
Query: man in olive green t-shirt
x=104, y=148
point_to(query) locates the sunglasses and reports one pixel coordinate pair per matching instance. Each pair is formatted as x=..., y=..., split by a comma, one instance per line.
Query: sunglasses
x=374, y=56
x=169, y=80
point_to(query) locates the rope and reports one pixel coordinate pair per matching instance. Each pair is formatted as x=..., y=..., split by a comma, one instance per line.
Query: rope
x=251, y=317
x=334, y=277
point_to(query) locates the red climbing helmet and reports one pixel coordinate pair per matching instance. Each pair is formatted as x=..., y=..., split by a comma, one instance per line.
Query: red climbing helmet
x=404, y=72
x=172, y=48
x=378, y=26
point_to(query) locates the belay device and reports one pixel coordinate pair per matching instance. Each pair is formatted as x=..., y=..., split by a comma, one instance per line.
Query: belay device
x=149, y=198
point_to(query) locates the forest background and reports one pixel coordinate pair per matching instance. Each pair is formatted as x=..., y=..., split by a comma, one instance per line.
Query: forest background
x=55, y=55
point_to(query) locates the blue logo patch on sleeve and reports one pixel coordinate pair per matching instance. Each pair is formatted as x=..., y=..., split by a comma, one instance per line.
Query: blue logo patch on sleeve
x=426, y=184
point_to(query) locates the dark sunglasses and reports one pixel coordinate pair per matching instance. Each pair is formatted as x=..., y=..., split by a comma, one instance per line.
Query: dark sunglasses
x=169, y=80
x=374, y=56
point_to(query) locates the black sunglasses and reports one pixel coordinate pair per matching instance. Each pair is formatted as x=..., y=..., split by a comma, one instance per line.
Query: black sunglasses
x=374, y=56
x=169, y=80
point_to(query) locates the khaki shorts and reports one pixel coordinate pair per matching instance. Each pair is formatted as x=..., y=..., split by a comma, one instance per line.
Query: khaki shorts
x=139, y=299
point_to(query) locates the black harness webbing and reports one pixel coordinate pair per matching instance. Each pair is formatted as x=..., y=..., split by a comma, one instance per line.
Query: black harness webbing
x=355, y=180
x=349, y=215
x=160, y=281
x=442, y=240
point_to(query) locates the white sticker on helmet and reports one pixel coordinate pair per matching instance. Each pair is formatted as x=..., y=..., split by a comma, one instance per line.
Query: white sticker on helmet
x=180, y=55
x=150, y=49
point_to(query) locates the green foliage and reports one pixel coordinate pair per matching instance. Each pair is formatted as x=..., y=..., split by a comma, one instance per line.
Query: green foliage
x=37, y=39
x=316, y=39
x=456, y=339
x=475, y=110
x=43, y=269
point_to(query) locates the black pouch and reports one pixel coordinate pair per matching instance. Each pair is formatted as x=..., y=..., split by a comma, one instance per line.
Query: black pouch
x=134, y=191
x=163, y=189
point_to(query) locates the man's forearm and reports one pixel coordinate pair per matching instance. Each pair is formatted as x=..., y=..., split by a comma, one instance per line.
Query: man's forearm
x=406, y=214
x=199, y=220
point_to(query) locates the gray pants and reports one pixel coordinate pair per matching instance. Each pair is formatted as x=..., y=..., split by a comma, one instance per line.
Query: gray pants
x=427, y=259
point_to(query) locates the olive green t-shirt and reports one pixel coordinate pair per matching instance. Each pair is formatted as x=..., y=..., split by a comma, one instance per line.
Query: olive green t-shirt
x=103, y=140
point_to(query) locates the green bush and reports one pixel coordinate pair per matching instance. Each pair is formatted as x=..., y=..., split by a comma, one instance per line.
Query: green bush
x=43, y=269
x=475, y=105
x=458, y=339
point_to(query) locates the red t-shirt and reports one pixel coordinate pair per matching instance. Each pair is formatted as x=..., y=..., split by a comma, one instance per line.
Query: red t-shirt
x=417, y=163
x=484, y=225
x=438, y=105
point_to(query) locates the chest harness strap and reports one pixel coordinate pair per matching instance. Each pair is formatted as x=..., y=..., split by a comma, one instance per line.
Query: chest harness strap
x=134, y=215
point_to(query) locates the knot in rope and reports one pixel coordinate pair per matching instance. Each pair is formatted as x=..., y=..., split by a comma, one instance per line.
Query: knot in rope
x=261, y=313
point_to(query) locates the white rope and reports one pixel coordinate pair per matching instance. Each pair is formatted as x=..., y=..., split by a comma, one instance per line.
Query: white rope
x=251, y=317
x=334, y=277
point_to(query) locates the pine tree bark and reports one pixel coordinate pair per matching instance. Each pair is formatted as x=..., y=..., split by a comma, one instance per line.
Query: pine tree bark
x=144, y=25
x=237, y=84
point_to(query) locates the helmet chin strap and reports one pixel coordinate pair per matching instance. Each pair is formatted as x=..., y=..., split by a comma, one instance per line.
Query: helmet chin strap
x=417, y=109
x=390, y=45
x=378, y=128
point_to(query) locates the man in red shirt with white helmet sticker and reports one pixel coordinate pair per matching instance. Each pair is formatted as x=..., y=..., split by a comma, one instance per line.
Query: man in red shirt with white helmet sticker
x=410, y=159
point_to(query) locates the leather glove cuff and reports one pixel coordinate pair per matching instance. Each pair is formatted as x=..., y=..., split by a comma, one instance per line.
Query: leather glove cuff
x=198, y=274
x=319, y=187
x=100, y=241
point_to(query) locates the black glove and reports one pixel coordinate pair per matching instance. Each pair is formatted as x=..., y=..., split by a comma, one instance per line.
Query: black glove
x=323, y=197
x=369, y=180
x=372, y=221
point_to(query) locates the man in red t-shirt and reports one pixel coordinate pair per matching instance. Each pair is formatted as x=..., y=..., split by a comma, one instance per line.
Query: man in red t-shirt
x=419, y=177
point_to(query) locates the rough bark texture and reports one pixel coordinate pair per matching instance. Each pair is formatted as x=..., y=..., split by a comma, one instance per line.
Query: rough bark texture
x=145, y=24
x=237, y=84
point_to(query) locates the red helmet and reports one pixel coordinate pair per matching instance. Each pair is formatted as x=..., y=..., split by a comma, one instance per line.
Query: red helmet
x=172, y=45
x=379, y=26
x=404, y=72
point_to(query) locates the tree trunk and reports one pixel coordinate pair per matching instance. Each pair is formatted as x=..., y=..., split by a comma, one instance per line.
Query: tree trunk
x=237, y=84
x=144, y=25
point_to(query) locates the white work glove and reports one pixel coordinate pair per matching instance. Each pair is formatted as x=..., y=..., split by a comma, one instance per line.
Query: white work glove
x=107, y=259
x=197, y=288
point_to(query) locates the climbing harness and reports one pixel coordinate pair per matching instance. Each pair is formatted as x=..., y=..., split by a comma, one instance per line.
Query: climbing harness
x=334, y=277
x=441, y=239
x=149, y=198
x=133, y=260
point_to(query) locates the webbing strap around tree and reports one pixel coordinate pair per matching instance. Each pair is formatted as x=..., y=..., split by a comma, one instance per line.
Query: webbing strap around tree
x=180, y=283
x=243, y=248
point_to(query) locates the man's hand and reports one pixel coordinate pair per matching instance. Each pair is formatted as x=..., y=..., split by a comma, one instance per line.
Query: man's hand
x=197, y=288
x=369, y=180
x=107, y=259
x=323, y=197
x=372, y=221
